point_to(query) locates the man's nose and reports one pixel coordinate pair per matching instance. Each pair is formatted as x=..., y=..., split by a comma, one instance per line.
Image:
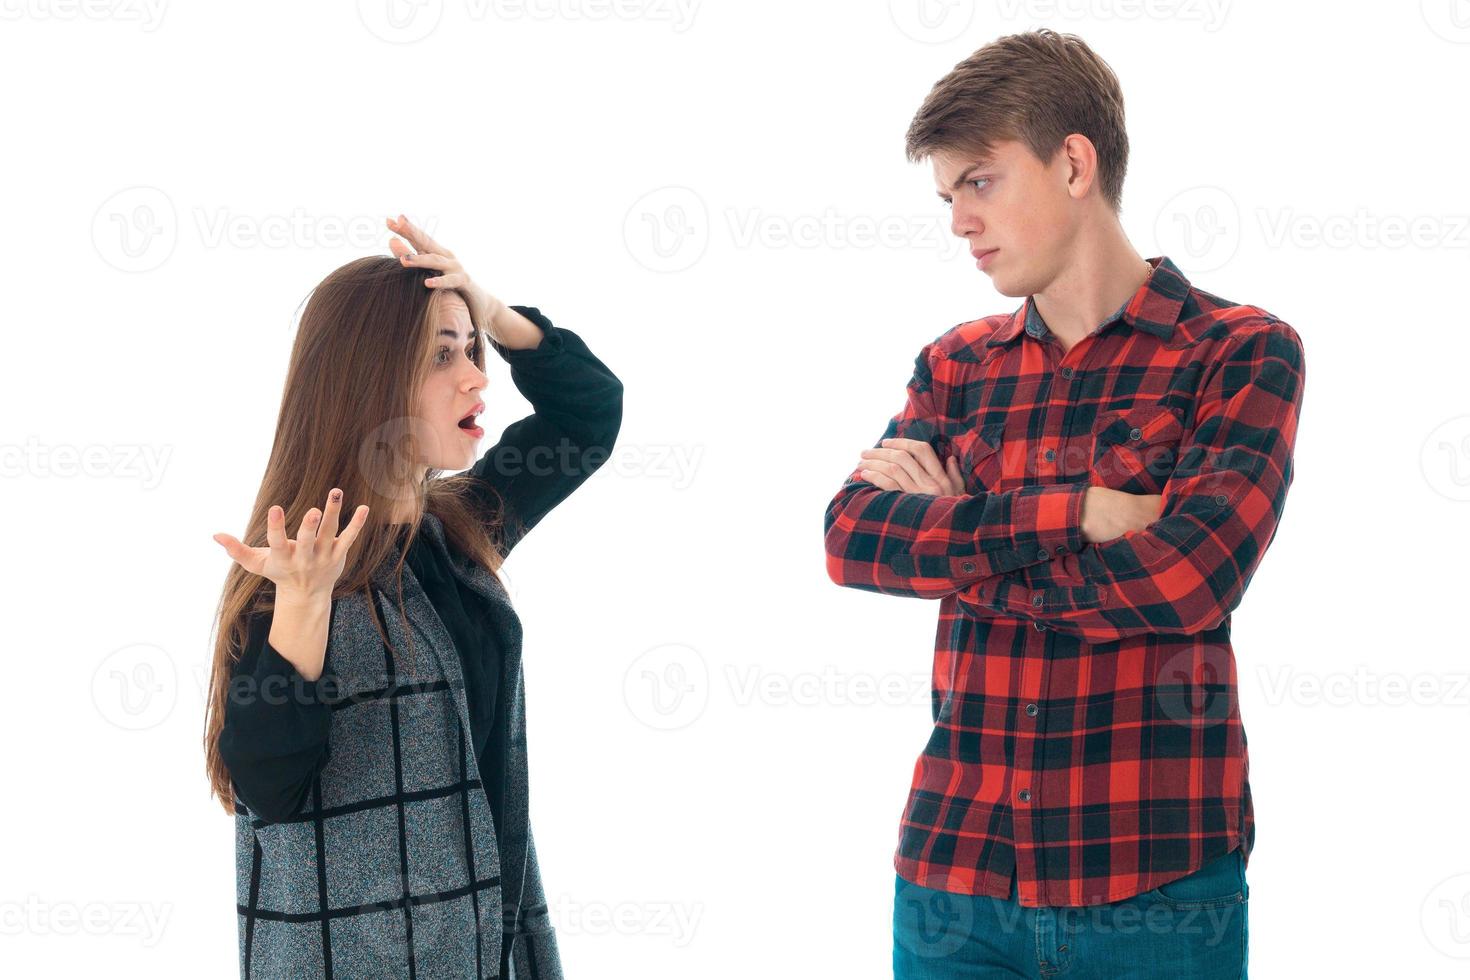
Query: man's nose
x=963, y=222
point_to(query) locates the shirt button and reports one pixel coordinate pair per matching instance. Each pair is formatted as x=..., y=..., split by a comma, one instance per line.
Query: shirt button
x=1221, y=499
x=1039, y=627
x=1135, y=433
x=1025, y=796
x=1031, y=710
x=967, y=567
x=1042, y=555
x=1036, y=599
x=1067, y=373
x=1050, y=455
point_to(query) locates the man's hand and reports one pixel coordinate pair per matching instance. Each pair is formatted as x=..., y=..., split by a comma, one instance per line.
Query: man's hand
x=1108, y=514
x=912, y=466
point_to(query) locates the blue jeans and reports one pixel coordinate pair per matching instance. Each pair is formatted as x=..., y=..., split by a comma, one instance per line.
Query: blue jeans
x=1192, y=927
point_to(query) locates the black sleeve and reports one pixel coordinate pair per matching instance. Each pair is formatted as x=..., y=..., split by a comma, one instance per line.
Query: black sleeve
x=542, y=458
x=274, y=738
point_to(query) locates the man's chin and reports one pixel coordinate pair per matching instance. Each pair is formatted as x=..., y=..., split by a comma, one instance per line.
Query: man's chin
x=1004, y=287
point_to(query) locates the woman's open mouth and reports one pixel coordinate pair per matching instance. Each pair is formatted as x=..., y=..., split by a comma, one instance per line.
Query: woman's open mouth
x=467, y=424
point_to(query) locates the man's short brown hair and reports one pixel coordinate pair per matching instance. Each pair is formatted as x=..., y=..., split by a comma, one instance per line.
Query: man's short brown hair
x=1036, y=88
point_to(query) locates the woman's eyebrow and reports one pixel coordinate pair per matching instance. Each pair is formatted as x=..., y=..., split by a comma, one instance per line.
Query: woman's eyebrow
x=446, y=332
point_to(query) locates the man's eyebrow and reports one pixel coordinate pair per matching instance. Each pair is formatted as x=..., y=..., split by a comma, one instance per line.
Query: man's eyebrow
x=968, y=171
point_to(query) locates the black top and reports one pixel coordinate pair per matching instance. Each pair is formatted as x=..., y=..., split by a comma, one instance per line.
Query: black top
x=275, y=744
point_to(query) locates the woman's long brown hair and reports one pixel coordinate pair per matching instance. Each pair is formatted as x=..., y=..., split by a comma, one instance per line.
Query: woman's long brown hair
x=362, y=353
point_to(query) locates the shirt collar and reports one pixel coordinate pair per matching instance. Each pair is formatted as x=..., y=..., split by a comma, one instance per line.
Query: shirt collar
x=1154, y=308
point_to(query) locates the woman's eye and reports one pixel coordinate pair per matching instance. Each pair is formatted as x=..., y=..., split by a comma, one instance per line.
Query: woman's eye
x=441, y=356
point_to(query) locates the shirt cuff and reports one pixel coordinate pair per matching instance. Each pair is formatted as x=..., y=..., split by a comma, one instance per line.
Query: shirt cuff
x=552, y=343
x=1047, y=520
x=279, y=684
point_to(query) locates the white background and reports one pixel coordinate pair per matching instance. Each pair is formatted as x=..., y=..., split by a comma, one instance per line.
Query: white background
x=178, y=177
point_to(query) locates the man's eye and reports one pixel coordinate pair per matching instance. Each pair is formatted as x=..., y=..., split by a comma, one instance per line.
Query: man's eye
x=978, y=180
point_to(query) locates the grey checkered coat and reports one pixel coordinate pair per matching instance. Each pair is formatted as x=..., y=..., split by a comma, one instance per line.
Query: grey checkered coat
x=393, y=867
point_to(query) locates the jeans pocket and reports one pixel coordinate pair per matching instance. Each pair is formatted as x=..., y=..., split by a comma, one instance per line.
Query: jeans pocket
x=1220, y=882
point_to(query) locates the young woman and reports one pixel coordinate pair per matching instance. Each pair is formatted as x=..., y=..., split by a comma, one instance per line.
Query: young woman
x=366, y=724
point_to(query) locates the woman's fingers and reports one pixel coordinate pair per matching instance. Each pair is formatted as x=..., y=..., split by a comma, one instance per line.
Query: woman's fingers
x=350, y=532
x=306, y=533
x=275, y=528
x=232, y=545
x=453, y=280
x=402, y=227
x=454, y=276
x=420, y=238
x=428, y=260
x=248, y=558
x=328, y=529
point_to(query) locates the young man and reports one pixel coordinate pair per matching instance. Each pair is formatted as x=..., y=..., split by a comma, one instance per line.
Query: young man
x=1087, y=485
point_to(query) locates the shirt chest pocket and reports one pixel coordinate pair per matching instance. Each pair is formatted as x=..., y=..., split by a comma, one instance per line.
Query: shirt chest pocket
x=980, y=457
x=1135, y=449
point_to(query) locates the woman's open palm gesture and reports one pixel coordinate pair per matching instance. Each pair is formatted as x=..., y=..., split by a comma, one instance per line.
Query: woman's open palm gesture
x=309, y=565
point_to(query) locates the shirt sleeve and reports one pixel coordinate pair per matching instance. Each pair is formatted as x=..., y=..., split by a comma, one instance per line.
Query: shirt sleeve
x=928, y=546
x=540, y=459
x=1187, y=571
x=274, y=738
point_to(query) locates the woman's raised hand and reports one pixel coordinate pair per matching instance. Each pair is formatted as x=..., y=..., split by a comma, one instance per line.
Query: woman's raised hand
x=484, y=308
x=310, y=565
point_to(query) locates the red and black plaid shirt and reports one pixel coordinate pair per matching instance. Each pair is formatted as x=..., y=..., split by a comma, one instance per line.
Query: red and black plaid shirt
x=1087, y=735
